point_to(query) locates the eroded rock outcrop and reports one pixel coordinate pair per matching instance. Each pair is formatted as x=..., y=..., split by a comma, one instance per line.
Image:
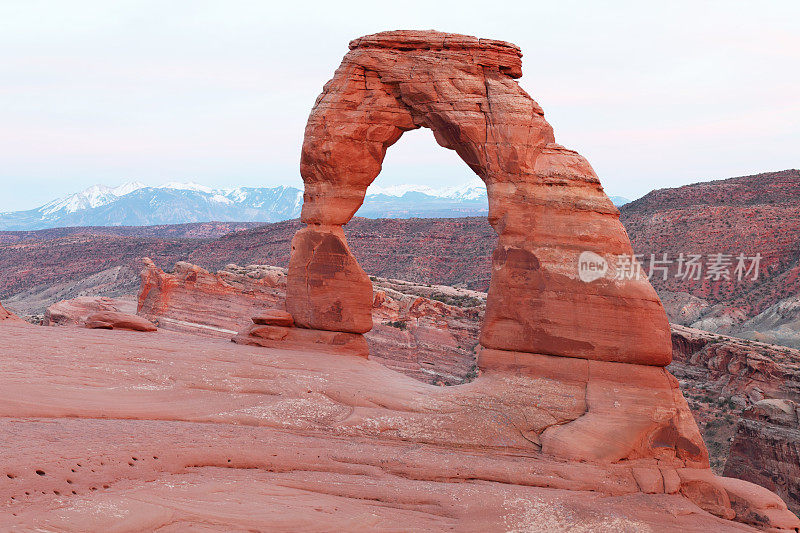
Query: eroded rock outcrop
x=75, y=311
x=7, y=315
x=573, y=393
x=596, y=347
x=723, y=378
x=766, y=448
x=188, y=432
x=322, y=270
x=194, y=300
x=116, y=320
x=545, y=202
x=428, y=332
x=274, y=329
x=601, y=341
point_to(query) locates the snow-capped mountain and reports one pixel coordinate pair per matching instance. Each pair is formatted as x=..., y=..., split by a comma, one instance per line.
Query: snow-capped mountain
x=94, y=196
x=473, y=190
x=135, y=204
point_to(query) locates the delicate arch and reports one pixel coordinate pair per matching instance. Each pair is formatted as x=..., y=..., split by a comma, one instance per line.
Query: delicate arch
x=545, y=202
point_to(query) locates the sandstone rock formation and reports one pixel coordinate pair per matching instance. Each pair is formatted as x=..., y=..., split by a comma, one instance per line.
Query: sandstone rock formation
x=723, y=376
x=416, y=333
x=545, y=202
x=748, y=370
x=274, y=328
x=7, y=315
x=323, y=271
x=194, y=300
x=74, y=312
x=290, y=337
x=115, y=320
x=182, y=432
x=601, y=342
x=428, y=332
x=274, y=317
x=766, y=449
x=573, y=395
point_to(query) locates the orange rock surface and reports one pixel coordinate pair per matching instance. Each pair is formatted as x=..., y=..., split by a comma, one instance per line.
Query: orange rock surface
x=172, y=432
x=545, y=202
x=193, y=300
x=115, y=320
x=323, y=271
x=75, y=311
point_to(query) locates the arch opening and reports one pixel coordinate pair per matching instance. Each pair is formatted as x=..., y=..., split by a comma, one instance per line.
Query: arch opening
x=427, y=325
x=419, y=179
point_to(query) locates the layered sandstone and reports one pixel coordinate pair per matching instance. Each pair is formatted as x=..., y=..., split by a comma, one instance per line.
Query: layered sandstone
x=572, y=395
x=596, y=346
x=723, y=376
x=420, y=335
x=322, y=270
x=428, y=332
x=194, y=300
x=766, y=449
x=545, y=202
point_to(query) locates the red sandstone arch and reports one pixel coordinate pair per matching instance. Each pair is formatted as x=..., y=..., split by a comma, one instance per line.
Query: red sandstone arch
x=545, y=201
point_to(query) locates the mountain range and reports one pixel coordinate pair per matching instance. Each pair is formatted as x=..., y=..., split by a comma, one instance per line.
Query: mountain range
x=135, y=204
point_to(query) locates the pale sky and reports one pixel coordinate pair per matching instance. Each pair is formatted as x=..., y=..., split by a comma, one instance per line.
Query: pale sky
x=654, y=94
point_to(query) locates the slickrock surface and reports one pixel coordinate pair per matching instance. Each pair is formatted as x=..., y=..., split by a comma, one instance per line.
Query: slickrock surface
x=179, y=432
x=74, y=312
x=766, y=449
x=274, y=317
x=435, y=342
x=545, y=201
x=295, y=338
